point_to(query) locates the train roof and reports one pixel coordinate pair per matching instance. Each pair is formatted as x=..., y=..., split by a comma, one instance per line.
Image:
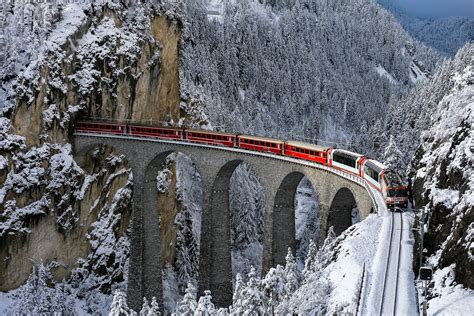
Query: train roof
x=151, y=126
x=307, y=145
x=202, y=131
x=261, y=139
x=101, y=122
x=347, y=152
x=377, y=164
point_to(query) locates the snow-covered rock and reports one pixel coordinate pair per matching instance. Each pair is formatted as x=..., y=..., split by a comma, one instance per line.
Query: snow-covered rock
x=444, y=174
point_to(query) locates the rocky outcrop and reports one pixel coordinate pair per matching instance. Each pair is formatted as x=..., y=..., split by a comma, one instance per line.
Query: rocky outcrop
x=444, y=178
x=116, y=63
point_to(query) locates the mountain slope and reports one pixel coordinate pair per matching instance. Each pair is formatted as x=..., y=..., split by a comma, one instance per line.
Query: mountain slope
x=447, y=35
x=444, y=177
x=308, y=71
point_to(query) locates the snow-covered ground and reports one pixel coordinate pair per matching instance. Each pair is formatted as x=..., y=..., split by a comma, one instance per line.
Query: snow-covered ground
x=405, y=296
x=385, y=74
x=450, y=298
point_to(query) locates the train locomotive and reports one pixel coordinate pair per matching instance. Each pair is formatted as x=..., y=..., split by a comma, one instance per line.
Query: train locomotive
x=373, y=172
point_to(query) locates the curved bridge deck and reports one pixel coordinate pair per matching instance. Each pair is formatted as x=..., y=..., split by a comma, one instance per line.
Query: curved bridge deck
x=338, y=192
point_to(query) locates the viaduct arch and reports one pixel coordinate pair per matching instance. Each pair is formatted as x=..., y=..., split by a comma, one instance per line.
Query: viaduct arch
x=279, y=177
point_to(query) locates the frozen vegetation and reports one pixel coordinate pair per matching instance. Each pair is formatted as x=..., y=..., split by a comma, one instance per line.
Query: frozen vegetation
x=256, y=77
x=335, y=73
x=447, y=35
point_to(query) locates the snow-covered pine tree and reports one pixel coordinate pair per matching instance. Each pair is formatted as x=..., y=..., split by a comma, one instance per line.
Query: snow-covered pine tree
x=145, y=308
x=253, y=301
x=274, y=285
x=154, y=308
x=187, y=261
x=393, y=157
x=37, y=297
x=119, y=305
x=238, y=288
x=309, y=264
x=188, y=304
x=205, y=306
x=291, y=272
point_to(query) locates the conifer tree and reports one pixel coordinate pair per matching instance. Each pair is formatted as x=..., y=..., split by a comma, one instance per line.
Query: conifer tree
x=238, y=288
x=393, y=157
x=309, y=264
x=119, y=305
x=188, y=304
x=205, y=306
x=252, y=298
x=291, y=272
x=274, y=285
x=154, y=308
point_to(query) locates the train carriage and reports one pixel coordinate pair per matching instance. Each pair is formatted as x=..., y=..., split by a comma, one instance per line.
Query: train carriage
x=100, y=127
x=345, y=160
x=372, y=172
x=263, y=144
x=158, y=132
x=209, y=137
x=395, y=191
x=306, y=151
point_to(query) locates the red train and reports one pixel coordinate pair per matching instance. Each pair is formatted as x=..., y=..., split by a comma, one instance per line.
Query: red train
x=375, y=174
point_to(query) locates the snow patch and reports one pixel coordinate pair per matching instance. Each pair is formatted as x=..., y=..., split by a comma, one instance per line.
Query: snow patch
x=385, y=74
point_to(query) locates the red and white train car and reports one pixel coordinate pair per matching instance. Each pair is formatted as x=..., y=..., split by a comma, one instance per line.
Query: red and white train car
x=306, y=151
x=260, y=144
x=156, y=132
x=210, y=137
x=376, y=174
x=100, y=127
x=345, y=160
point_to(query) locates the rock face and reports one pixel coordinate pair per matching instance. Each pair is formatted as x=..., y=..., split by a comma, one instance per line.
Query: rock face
x=444, y=177
x=115, y=62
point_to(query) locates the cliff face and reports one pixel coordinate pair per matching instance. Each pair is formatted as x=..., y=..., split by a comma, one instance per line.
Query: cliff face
x=103, y=61
x=113, y=67
x=444, y=177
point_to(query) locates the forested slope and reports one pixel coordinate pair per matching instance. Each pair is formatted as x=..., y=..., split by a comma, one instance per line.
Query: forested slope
x=319, y=70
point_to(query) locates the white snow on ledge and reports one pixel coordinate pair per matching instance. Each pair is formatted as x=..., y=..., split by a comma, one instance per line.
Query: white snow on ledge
x=450, y=298
x=385, y=74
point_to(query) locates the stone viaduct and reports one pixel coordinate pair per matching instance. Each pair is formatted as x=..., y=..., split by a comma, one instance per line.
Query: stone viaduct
x=337, y=194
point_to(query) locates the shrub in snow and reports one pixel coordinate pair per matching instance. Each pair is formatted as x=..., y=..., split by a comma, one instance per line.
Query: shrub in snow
x=163, y=180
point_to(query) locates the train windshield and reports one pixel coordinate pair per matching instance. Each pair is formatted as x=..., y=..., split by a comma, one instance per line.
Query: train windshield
x=397, y=193
x=345, y=159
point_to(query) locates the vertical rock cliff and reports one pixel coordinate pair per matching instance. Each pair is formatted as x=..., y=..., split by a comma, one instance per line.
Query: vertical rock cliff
x=110, y=61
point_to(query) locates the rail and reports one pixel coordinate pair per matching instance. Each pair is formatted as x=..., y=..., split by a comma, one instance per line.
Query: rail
x=393, y=290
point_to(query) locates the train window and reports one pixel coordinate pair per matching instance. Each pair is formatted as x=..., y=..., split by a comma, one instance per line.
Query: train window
x=344, y=159
x=371, y=173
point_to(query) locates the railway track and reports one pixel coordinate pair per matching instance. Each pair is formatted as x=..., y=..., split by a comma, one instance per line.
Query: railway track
x=389, y=299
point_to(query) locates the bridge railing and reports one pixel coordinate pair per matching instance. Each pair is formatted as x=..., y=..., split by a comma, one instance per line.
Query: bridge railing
x=341, y=173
